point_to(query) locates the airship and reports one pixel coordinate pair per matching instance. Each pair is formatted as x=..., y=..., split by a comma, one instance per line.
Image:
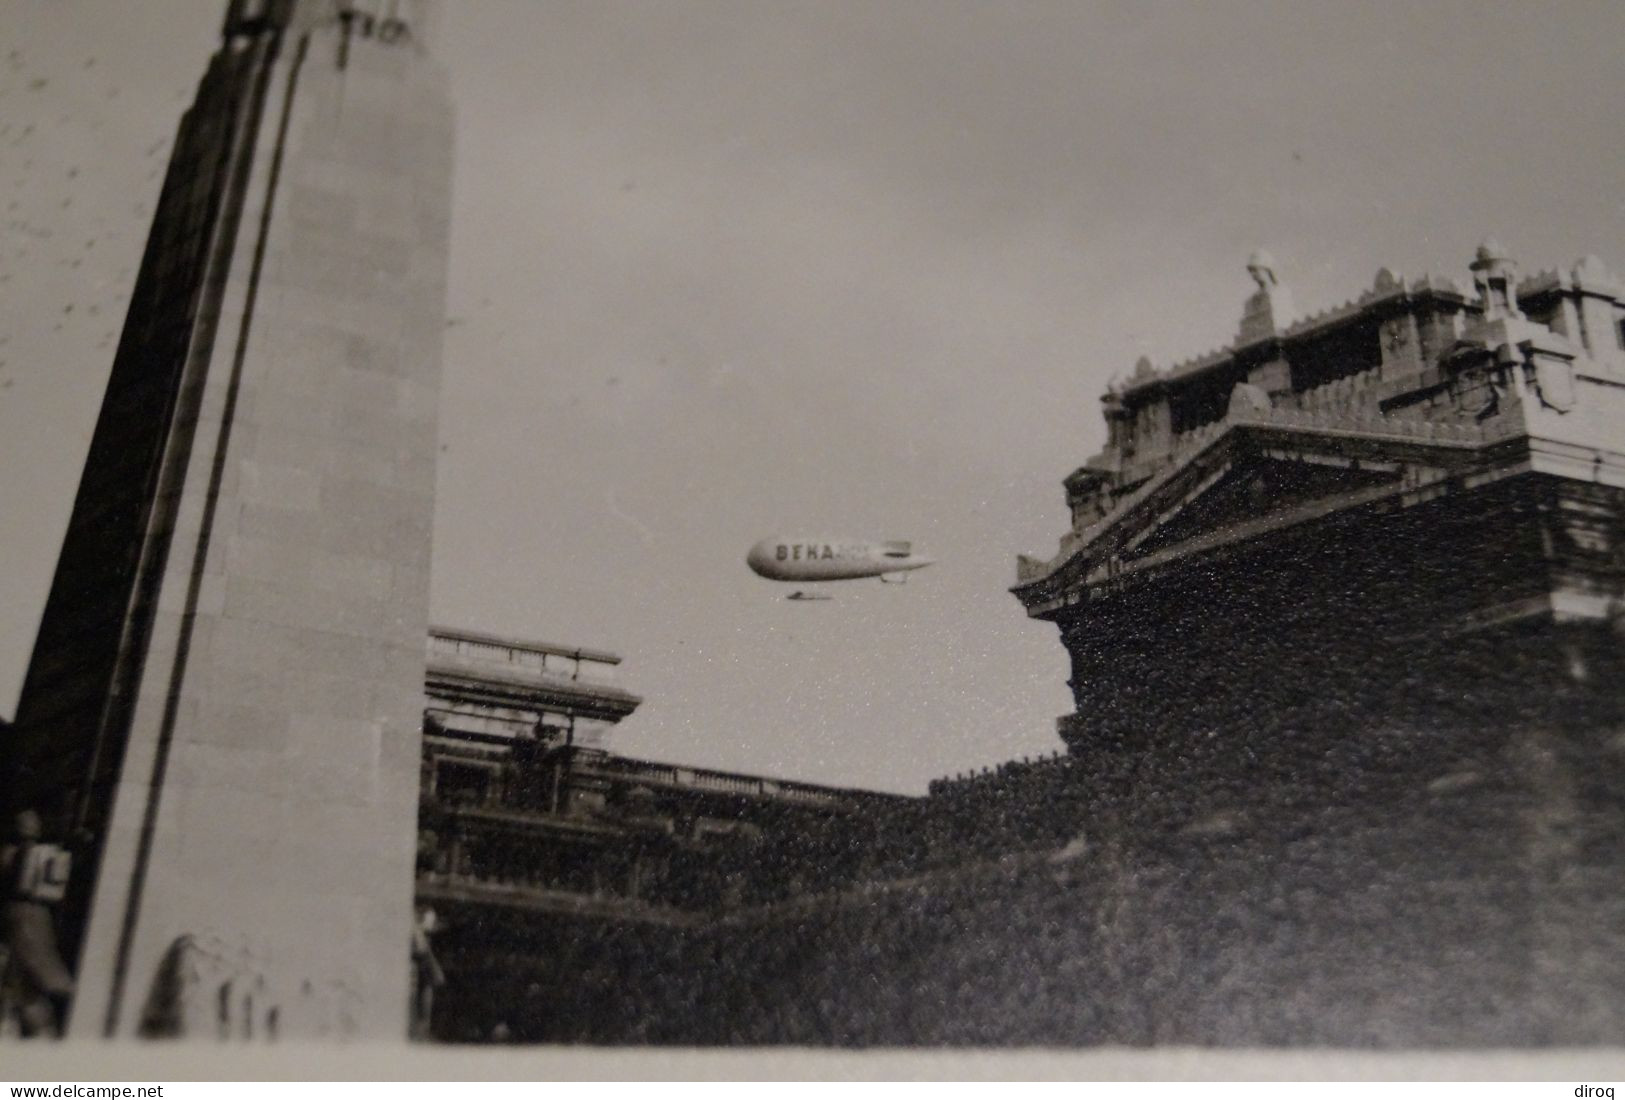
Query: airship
x=810, y=560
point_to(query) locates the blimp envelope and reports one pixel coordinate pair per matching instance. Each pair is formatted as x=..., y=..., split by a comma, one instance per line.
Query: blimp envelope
x=809, y=559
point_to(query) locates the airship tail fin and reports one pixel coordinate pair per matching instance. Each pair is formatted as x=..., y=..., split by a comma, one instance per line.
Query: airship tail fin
x=898, y=549
x=899, y=577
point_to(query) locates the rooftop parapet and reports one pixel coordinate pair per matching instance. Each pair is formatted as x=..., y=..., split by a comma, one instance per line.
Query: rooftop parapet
x=1267, y=313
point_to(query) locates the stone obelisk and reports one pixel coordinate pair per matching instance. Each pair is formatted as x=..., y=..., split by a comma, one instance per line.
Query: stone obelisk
x=223, y=708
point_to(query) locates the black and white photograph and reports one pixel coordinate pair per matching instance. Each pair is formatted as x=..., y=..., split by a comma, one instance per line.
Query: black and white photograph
x=812, y=527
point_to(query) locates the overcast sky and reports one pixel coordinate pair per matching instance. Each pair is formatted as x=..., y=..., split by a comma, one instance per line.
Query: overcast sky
x=723, y=270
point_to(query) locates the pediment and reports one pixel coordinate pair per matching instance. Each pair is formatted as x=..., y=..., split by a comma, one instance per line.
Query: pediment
x=1248, y=491
x=1246, y=480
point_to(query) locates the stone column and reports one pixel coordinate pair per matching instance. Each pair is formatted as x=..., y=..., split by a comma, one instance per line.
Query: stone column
x=253, y=786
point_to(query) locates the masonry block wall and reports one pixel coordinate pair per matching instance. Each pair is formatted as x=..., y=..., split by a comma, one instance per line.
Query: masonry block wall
x=247, y=759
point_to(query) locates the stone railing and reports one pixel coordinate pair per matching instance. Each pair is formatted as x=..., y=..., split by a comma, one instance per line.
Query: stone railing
x=667, y=775
x=1366, y=421
x=558, y=662
x=961, y=782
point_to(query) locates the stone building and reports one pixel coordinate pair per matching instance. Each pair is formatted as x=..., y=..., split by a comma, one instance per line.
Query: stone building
x=552, y=863
x=1345, y=606
x=1425, y=468
x=222, y=710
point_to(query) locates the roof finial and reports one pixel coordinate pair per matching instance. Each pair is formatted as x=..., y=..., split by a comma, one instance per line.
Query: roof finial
x=1261, y=266
x=1495, y=276
x=1270, y=307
